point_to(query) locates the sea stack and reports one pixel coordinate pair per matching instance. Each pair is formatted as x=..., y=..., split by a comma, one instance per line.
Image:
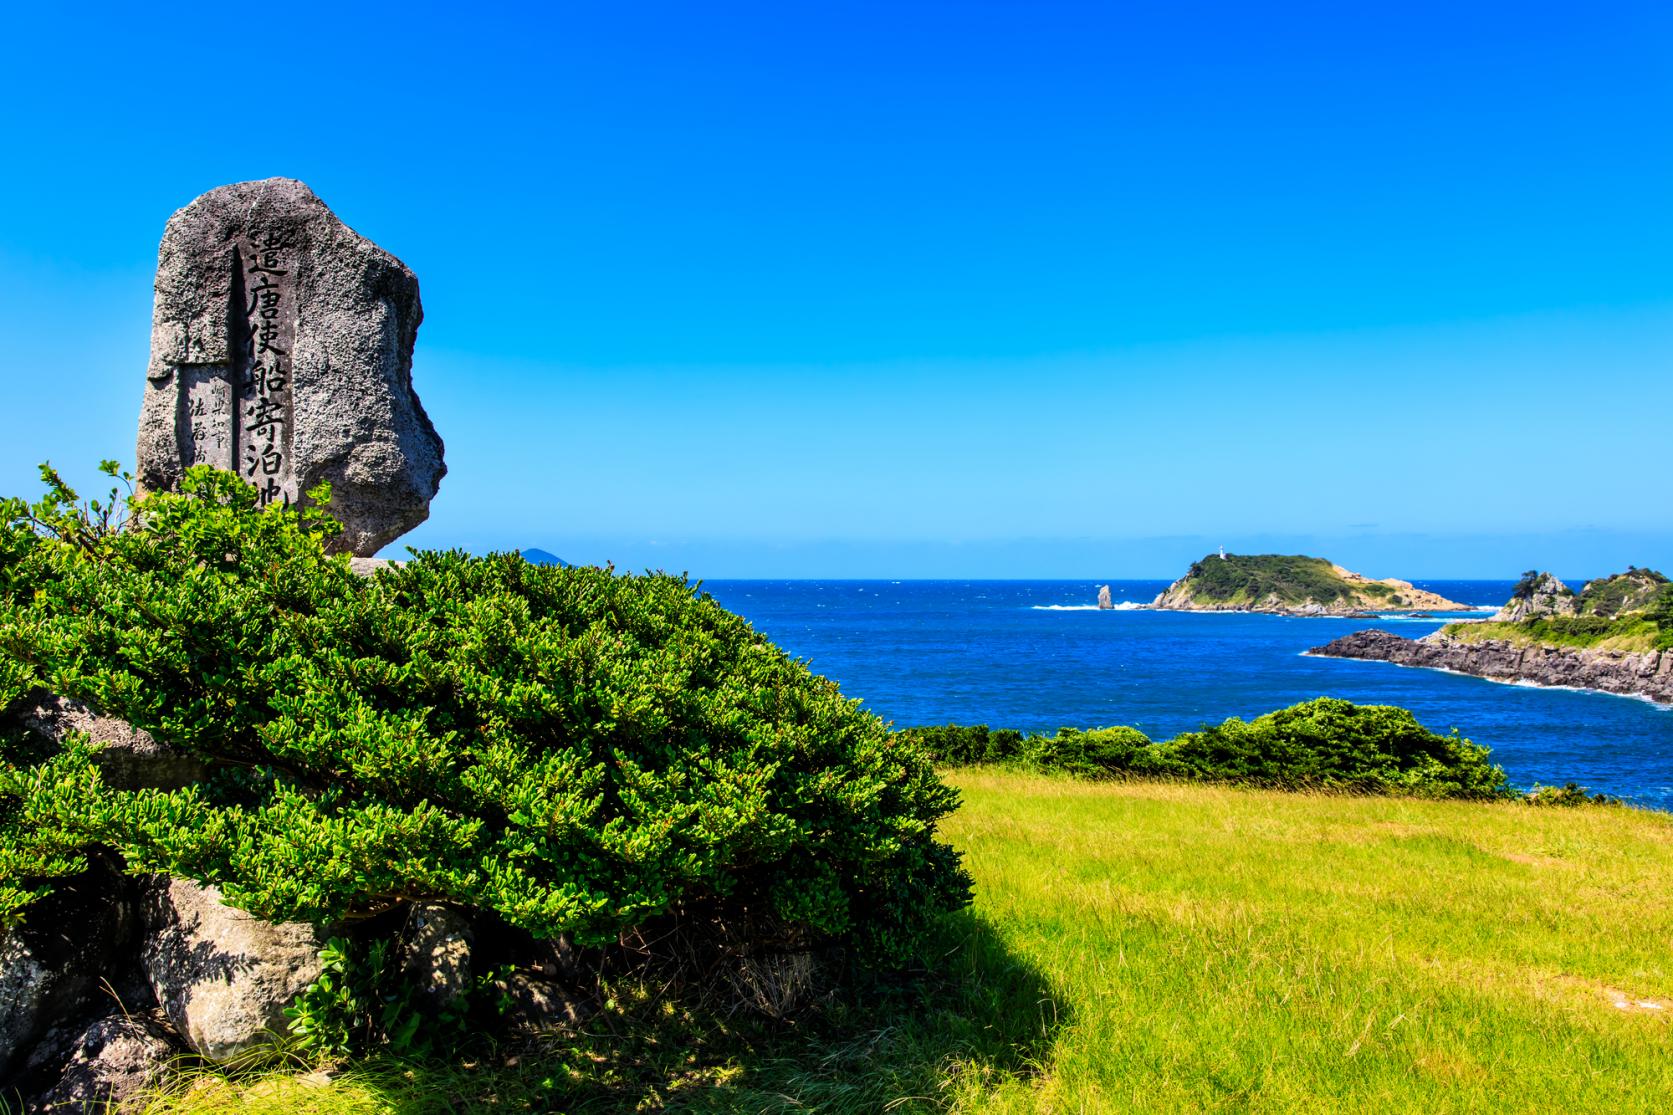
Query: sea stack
x=281, y=348
x=1104, y=597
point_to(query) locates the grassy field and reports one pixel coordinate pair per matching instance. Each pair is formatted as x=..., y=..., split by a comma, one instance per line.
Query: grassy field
x=1215, y=949
x=1630, y=634
x=1181, y=948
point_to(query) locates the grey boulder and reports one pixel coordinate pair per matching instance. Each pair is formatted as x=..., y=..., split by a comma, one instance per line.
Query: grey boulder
x=281, y=348
x=1547, y=597
x=52, y=964
x=222, y=976
x=105, y=1065
x=127, y=758
x=436, y=955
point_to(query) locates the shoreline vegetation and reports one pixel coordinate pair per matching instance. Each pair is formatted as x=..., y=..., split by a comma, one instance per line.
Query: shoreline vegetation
x=1326, y=745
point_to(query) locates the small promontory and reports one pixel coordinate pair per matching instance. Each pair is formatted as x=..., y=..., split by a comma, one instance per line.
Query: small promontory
x=1292, y=584
x=1615, y=635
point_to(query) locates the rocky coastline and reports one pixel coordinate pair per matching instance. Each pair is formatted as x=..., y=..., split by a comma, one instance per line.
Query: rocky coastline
x=1309, y=610
x=1647, y=674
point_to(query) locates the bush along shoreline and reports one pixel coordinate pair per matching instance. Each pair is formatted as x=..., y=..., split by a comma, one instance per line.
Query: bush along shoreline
x=1326, y=744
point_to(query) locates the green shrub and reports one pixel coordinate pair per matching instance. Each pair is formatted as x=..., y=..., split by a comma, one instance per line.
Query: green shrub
x=964, y=744
x=1632, y=591
x=1098, y=753
x=573, y=751
x=1567, y=796
x=1332, y=743
x=1323, y=743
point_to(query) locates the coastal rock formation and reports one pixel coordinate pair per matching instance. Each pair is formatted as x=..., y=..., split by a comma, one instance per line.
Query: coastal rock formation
x=1645, y=674
x=223, y=978
x=281, y=348
x=1104, y=597
x=1537, y=594
x=1292, y=585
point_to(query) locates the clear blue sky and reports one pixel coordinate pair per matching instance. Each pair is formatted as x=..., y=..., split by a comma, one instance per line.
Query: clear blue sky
x=916, y=290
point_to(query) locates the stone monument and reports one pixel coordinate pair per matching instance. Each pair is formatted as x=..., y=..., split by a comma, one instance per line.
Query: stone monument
x=281, y=348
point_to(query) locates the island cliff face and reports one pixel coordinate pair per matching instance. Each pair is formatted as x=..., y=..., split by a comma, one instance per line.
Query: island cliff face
x=1643, y=674
x=1292, y=585
x=1615, y=636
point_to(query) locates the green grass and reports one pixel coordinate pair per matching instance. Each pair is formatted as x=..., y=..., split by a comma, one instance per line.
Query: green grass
x=1161, y=947
x=1231, y=950
x=1631, y=633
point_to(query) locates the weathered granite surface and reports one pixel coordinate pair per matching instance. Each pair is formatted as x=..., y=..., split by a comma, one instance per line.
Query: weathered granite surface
x=281, y=347
x=436, y=954
x=1547, y=596
x=105, y=1064
x=223, y=977
x=127, y=758
x=1648, y=674
x=52, y=965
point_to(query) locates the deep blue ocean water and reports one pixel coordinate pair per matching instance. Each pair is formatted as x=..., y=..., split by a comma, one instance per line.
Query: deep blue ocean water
x=1036, y=655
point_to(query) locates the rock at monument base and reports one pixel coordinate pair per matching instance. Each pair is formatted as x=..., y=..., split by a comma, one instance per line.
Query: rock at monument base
x=281, y=348
x=538, y=1003
x=371, y=566
x=51, y=965
x=108, y=1063
x=223, y=977
x=436, y=955
x=127, y=758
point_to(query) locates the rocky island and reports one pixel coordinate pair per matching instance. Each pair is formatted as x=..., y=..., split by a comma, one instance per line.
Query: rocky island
x=1615, y=636
x=1293, y=585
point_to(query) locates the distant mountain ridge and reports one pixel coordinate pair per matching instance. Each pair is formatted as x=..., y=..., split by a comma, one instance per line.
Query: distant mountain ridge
x=541, y=557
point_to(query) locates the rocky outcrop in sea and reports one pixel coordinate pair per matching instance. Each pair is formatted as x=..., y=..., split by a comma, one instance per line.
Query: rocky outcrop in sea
x=1645, y=674
x=1292, y=585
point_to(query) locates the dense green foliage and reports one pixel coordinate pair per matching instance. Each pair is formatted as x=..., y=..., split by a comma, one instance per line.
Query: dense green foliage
x=362, y=1001
x=573, y=751
x=1631, y=611
x=1636, y=590
x=1242, y=579
x=1323, y=743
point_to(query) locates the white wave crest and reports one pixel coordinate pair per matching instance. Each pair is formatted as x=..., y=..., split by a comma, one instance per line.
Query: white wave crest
x=1124, y=606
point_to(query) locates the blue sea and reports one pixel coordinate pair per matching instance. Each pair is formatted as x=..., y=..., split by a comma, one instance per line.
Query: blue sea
x=1040, y=655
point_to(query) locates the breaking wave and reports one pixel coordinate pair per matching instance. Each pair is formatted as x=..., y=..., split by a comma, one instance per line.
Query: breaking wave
x=1124, y=606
